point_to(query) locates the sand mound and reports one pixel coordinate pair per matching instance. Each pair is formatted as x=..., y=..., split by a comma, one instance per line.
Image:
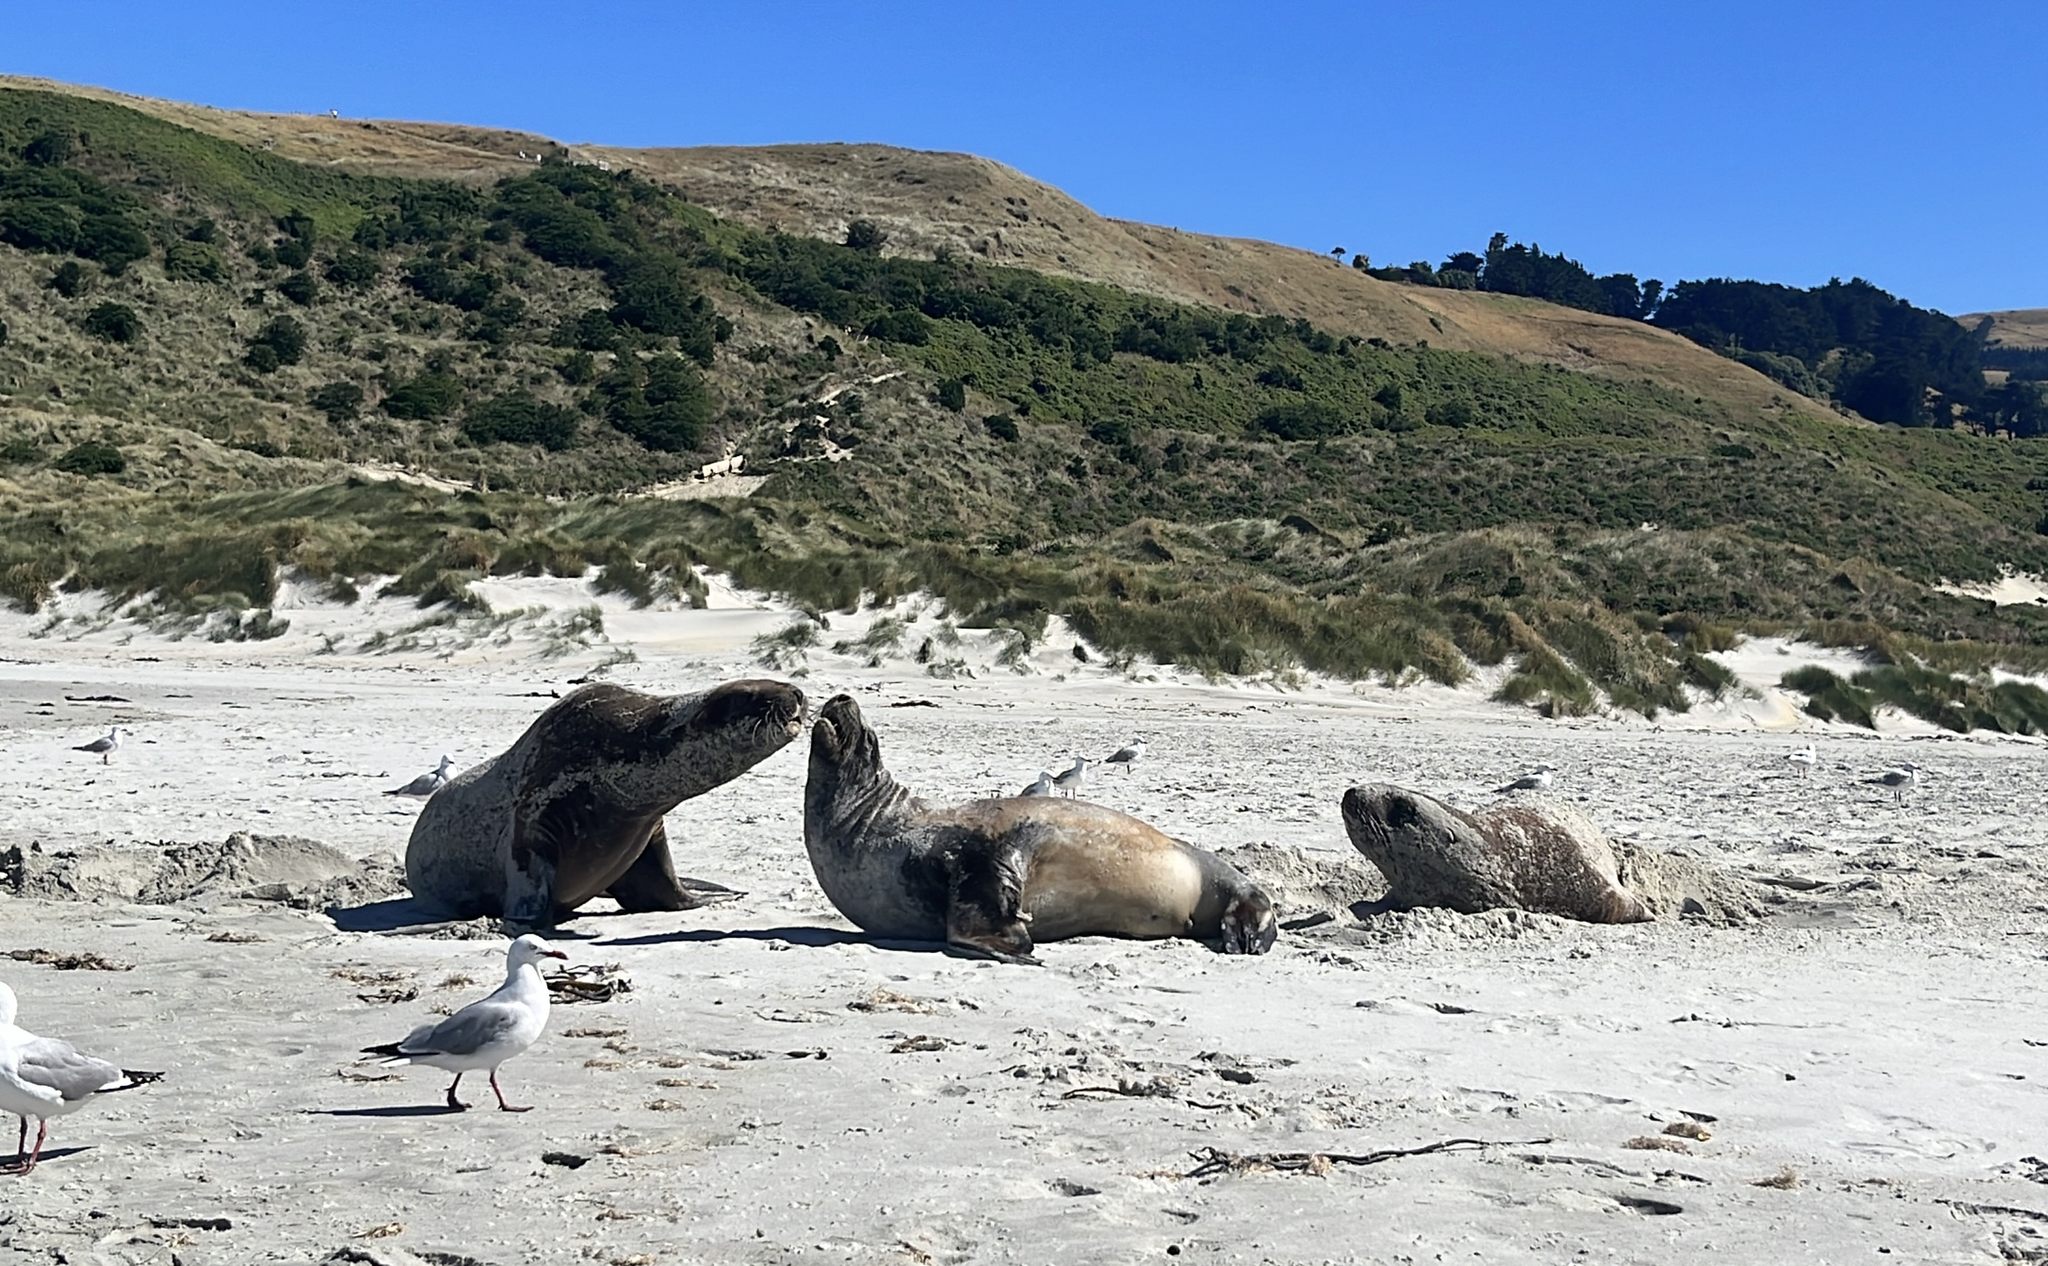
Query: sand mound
x=1303, y=883
x=1673, y=885
x=286, y=870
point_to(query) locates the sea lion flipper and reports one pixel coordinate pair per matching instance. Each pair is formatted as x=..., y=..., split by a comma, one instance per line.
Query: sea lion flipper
x=650, y=883
x=985, y=903
x=965, y=947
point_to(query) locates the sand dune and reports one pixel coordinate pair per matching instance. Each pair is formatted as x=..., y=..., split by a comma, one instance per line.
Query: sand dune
x=774, y=1089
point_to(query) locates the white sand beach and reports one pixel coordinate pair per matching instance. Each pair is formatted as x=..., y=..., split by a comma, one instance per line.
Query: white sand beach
x=1861, y=1075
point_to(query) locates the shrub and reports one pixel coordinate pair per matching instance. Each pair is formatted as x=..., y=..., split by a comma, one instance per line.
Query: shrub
x=431, y=394
x=1455, y=413
x=952, y=394
x=661, y=402
x=340, y=401
x=300, y=288
x=1830, y=698
x=293, y=252
x=578, y=368
x=900, y=325
x=518, y=418
x=187, y=260
x=113, y=323
x=51, y=148
x=93, y=457
x=113, y=240
x=285, y=339
x=1301, y=420
x=1002, y=426
x=68, y=280
x=866, y=235
x=353, y=270
x=20, y=451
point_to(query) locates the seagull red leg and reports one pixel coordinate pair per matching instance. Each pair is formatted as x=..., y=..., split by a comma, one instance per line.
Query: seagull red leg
x=501, y=1096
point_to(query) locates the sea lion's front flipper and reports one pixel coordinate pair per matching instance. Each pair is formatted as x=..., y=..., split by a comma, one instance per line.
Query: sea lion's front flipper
x=956, y=943
x=650, y=883
x=985, y=904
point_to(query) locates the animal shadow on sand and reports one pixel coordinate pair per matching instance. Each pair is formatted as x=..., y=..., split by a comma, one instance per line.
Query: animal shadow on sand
x=804, y=937
x=393, y=1110
x=411, y=914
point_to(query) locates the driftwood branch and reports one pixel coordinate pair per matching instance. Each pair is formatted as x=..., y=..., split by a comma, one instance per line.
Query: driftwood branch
x=1210, y=1161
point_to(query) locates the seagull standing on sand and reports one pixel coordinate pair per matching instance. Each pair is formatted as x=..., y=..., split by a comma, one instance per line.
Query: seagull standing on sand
x=485, y=1033
x=1043, y=787
x=1070, y=780
x=425, y=784
x=104, y=748
x=1901, y=779
x=1804, y=760
x=1127, y=756
x=1537, y=779
x=42, y=1077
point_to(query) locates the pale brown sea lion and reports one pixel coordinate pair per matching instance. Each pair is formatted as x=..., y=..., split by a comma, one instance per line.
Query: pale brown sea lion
x=991, y=876
x=573, y=810
x=1521, y=855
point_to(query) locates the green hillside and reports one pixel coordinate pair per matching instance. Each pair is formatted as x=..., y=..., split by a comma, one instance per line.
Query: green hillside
x=207, y=345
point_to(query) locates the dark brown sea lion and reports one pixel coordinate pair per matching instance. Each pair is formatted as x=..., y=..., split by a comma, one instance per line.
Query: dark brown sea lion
x=573, y=810
x=1520, y=855
x=992, y=876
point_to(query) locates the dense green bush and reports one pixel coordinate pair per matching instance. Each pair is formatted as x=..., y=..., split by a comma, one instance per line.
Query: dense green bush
x=354, y=269
x=661, y=401
x=300, y=288
x=93, y=457
x=516, y=417
x=951, y=394
x=1301, y=420
x=68, y=280
x=113, y=323
x=186, y=260
x=899, y=325
x=281, y=341
x=426, y=395
x=340, y=401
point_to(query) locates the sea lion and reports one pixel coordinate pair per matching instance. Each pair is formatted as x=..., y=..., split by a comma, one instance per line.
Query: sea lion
x=1521, y=855
x=989, y=876
x=573, y=810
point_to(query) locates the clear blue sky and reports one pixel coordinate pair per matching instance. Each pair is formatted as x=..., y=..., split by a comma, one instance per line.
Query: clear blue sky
x=1788, y=141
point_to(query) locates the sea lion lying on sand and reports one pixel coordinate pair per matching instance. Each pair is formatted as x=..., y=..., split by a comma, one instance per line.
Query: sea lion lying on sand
x=1521, y=855
x=990, y=876
x=573, y=810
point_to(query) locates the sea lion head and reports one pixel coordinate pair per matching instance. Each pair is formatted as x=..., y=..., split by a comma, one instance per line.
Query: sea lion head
x=663, y=749
x=842, y=743
x=1388, y=823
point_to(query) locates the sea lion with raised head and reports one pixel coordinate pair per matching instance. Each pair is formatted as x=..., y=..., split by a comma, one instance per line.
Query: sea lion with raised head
x=1520, y=855
x=573, y=810
x=990, y=877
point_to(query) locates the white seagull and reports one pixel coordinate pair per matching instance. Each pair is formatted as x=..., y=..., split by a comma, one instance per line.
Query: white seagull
x=42, y=1077
x=1127, y=756
x=1070, y=780
x=1042, y=787
x=425, y=784
x=1804, y=760
x=1537, y=779
x=104, y=748
x=1901, y=779
x=485, y=1033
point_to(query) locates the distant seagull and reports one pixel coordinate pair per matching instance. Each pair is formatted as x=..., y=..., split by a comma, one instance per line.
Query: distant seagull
x=104, y=748
x=1070, y=780
x=42, y=1077
x=1901, y=779
x=1804, y=760
x=1127, y=756
x=485, y=1033
x=1043, y=787
x=425, y=784
x=1537, y=779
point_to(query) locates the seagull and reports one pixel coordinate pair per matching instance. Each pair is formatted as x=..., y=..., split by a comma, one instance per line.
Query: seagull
x=42, y=1077
x=1537, y=779
x=1127, y=756
x=485, y=1033
x=1804, y=760
x=425, y=784
x=1901, y=779
x=1069, y=780
x=104, y=748
x=1043, y=787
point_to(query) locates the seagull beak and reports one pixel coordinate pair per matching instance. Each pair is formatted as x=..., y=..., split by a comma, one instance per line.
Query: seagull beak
x=554, y=954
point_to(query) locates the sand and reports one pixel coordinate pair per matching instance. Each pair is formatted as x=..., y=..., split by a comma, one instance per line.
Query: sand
x=1868, y=1061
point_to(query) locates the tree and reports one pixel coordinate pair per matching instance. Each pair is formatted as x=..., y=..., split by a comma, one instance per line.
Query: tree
x=427, y=395
x=1002, y=426
x=866, y=235
x=1361, y=262
x=52, y=148
x=68, y=280
x=113, y=323
x=340, y=401
x=353, y=269
x=187, y=260
x=1338, y=252
x=300, y=288
x=516, y=417
x=285, y=339
x=952, y=394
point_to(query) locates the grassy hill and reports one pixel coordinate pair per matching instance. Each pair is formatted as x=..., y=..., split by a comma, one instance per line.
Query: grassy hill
x=223, y=329
x=2021, y=328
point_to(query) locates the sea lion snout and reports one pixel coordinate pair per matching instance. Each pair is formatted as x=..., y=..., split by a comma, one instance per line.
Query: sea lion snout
x=838, y=724
x=773, y=706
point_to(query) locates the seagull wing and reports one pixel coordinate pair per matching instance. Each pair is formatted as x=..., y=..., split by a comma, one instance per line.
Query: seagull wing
x=476, y=1026
x=62, y=1069
x=419, y=786
x=97, y=745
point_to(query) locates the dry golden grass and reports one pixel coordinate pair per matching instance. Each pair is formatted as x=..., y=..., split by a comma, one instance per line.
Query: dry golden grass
x=2020, y=327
